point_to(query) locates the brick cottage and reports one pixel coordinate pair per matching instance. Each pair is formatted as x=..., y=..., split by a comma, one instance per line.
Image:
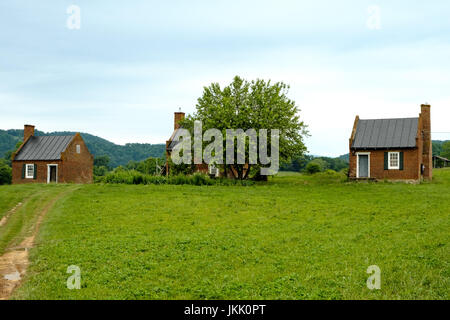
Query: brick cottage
x=392, y=149
x=47, y=159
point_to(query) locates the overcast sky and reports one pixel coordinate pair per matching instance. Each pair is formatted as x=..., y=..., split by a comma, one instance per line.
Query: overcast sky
x=133, y=63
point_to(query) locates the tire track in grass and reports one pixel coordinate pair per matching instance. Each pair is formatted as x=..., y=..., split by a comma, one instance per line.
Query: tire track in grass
x=14, y=262
x=5, y=218
x=9, y=213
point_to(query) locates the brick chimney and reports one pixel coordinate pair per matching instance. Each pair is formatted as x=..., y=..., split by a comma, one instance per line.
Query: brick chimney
x=28, y=131
x=178, y=117
x=427, y=154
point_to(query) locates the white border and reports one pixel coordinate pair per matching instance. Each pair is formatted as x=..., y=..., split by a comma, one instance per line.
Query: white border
x=26, y=171
x=389, y=161
x=48, y=172
x=357, y=163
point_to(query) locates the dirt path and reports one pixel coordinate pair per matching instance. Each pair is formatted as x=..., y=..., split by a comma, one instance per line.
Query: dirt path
x=14, y=262
x=9, y=213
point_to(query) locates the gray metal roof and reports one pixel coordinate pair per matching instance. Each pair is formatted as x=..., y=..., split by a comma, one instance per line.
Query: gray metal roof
x=44, y=148
x=386, y=133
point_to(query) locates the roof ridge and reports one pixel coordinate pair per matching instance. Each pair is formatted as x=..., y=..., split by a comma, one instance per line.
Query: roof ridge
x=389, y=119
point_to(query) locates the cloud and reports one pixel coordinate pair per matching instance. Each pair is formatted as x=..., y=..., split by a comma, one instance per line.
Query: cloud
x=130, y=66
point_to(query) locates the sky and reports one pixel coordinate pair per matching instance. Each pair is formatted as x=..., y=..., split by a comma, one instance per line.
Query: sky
x=122, y=71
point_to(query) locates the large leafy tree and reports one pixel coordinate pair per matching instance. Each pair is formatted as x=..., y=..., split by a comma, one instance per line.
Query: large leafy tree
x=257, y=104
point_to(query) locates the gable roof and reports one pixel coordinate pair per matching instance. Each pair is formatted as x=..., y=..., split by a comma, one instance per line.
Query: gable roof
x=386, y=133
x=175, y=136
x=44, y=148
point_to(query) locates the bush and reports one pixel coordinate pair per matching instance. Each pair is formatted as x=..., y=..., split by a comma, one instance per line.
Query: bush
x=313, y=167
x=5, y=174
x=100, y=171
x=121, y=176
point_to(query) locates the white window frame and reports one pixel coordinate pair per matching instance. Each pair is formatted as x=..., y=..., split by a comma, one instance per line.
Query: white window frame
x=26, y=171
x=398, y=161
x=48, y=172
x=357, y=163
x=78, y=147
x=211, y=168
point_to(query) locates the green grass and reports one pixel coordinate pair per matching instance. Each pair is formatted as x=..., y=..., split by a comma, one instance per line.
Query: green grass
x=297, y=237
x=20, y=222
x=11, y=196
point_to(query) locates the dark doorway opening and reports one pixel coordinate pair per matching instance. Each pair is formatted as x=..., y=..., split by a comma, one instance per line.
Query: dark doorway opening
x=52, y=173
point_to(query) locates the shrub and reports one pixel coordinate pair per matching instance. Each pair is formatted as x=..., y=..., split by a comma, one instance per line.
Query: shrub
x=5, y=174
x=100, y=171
x=313, y=167
x=134, y=177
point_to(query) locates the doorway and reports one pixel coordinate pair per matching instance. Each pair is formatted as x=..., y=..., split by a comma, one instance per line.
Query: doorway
x=363, y=164
x=52, y=173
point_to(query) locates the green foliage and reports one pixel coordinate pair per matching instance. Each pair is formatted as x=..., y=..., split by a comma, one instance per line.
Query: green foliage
x=177, y=169
x=344, y=171
x=148, y=166
x=313, y=167
x=296, y=164
x=5, y=172
x=437, y=147
x=255, y=105
x=446, y=150
x=101, y=166
x=102, y=161
x=123, y=176
x=100, y=171
x=8, y=155
x=299, y=164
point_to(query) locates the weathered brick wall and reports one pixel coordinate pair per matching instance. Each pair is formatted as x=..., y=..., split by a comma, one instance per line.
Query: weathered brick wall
x=41, y=173
x=77, y=167
x=72, y=168
x=411, y=165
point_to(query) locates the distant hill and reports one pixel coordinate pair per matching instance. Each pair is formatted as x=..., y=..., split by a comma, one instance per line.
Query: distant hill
x=345, y=157
x=119, y=155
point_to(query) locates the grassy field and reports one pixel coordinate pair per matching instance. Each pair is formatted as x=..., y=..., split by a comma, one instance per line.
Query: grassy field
x=297, y=237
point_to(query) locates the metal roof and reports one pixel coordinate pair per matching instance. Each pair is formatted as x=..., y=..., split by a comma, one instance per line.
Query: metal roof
x=386, y=133
x=44, y=148
x=441, y=158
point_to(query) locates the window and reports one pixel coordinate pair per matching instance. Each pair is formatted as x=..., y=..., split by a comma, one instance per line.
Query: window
x=78, y=148
x=213, y=170
x=29, y=171
x=394, y=160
